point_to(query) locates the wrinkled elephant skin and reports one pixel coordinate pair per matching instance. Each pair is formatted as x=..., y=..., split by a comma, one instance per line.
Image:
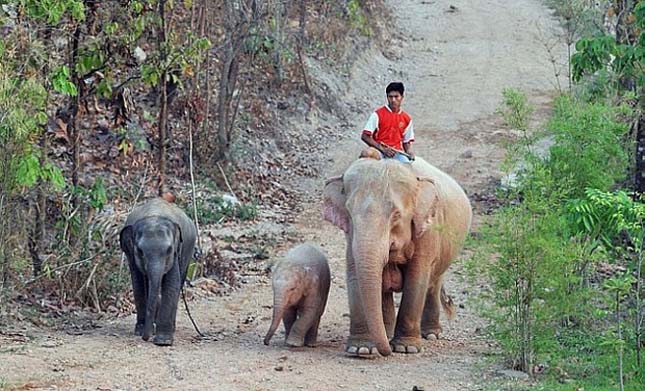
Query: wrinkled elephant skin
x=158, y=239
x=404, y=224
x=300, y=288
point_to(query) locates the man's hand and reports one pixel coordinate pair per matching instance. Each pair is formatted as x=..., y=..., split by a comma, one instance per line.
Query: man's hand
x=387, y=150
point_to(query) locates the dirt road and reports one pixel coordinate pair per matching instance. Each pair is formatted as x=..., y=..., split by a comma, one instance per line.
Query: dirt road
x=455, y=57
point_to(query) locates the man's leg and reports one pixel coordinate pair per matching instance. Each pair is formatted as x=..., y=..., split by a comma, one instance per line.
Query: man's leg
x=401, y=157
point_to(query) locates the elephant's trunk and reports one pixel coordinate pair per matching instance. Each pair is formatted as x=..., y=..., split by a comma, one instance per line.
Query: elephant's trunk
x=369, y=265
x=154, y=275
x=278, y=314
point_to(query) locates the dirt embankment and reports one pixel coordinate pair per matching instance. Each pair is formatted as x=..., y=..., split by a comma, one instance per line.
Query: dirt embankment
x=455, y=58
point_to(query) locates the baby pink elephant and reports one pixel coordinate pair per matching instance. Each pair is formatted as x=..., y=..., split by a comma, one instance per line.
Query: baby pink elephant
x=300, y=288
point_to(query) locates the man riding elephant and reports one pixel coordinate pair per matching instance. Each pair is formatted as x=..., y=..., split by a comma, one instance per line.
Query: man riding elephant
x=389, y=129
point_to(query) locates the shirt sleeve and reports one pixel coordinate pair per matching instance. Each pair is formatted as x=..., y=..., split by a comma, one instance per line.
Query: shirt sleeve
x=408, y=135
x=372, y=124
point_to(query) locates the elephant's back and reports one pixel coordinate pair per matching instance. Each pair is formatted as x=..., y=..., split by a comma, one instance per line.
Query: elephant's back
x=307, y=256
x=306, y=251
x=162, y=208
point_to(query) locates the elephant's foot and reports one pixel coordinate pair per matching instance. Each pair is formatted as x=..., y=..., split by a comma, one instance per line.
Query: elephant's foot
x=311, y=342
x=138, y=329
x=163, y=339
x=295, y=341
x=406, y=345
x=360, y=347
x=436, y=331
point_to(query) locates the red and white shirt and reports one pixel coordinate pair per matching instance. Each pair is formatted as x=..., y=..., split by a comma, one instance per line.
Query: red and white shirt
x=389, y=128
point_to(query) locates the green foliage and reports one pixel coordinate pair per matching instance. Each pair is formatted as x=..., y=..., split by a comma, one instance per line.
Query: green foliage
x=29, y=171
x=541, y=251
x=61, y=82
x=580, y=17
x=586, y=365
x=534, y=286
x=602, y=52
x=518, y=110
x=604, y=216
x=357, y=17
x=214, y=209
x=53, y=11
x=588, y=136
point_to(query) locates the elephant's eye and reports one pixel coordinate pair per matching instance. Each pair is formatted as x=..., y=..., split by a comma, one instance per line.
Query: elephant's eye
x=168, y=250
x=139, y=253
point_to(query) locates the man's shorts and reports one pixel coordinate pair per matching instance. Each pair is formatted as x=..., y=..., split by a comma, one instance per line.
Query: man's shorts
x=399, y=156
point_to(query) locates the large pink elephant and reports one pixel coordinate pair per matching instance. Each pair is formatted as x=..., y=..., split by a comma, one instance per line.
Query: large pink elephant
x=404, y=224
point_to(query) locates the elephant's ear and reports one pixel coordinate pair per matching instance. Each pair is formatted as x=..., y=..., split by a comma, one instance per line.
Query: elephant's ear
x=426, y=206
x=126, y=239
x=334, y=200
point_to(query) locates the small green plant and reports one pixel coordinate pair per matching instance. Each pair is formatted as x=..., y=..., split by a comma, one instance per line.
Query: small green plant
x=618, y=288
x=357, y=17
x=215, y=209
x=517, y=110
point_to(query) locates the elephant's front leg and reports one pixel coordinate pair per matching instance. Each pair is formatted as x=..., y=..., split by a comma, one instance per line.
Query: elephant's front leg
x=167, y=313
x=407, y=335
x=359, y=342
x=288, y=319
x=139, y=291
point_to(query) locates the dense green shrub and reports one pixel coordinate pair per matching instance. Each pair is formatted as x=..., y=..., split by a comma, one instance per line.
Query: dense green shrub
x=590, y=146
x=545, y=300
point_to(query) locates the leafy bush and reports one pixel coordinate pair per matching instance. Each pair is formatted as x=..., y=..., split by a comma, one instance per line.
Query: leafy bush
x=215, y=209
x=534, y=286
x=517, y=109
x=590, y=148
x=543, y=286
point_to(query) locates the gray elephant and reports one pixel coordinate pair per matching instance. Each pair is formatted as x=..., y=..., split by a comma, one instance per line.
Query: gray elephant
x=404, y=224
x=158, y=239
x=300, y=289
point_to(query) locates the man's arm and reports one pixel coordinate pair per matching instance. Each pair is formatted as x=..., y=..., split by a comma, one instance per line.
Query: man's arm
x=407, y=148
x=408, y=138
x=368, y=136
x=369, y=140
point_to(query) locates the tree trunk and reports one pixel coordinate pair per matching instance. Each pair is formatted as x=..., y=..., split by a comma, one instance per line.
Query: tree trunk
x=301, y=42
x=40, y=208
x=240, y=16
x=163, y=109
x=75, y=103
x=640, y=155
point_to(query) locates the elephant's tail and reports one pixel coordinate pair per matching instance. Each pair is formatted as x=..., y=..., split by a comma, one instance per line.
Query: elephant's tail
x=447, y=303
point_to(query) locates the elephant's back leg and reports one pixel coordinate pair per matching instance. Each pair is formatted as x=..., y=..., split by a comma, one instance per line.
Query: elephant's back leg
x=311, y=338
x=430, y=324
x=290, y=315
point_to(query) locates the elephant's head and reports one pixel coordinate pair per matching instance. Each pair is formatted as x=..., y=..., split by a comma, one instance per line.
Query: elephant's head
x=383, y=208
x=155, y=244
